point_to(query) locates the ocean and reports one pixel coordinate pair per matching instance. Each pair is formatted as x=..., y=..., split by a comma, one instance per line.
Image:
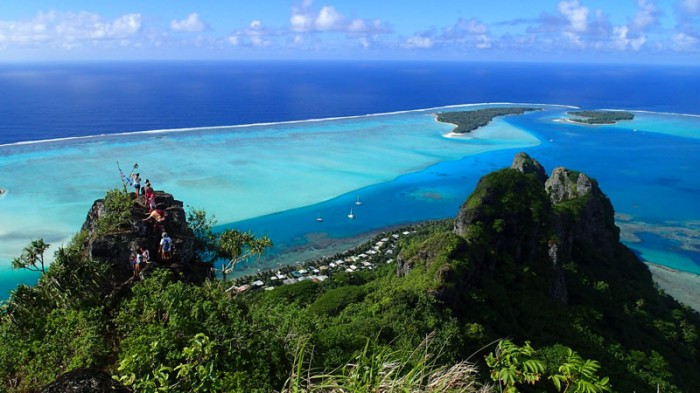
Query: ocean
x=64, y=126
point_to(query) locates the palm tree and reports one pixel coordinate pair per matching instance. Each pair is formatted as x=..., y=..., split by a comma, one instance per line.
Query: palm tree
x=32, y=257
x=235, y=246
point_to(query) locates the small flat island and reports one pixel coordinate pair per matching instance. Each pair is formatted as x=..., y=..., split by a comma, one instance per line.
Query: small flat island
x=599, y=117
x=468, y=121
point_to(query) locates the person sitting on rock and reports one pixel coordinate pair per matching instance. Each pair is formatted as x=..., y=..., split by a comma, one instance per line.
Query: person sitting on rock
x=157, y=214
x=166, y=247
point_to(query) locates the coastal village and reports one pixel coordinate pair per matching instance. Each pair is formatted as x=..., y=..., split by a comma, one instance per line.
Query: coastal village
x=381, y=249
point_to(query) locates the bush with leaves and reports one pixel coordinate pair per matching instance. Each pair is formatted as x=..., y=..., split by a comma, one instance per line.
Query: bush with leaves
x=118, y=205
x=204, y=238
x=512, y=365
x=164, y=320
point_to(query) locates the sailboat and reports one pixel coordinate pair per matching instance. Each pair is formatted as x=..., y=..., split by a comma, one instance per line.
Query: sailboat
x=318, y=218
x=351, y=216
x=358, y=202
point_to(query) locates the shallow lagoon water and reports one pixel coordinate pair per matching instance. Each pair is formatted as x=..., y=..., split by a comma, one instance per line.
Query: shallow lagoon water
x=277, y=178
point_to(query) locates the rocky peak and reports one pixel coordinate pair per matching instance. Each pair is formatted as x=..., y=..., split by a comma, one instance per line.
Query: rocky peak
x=118, y=248
x=525, y=164
x=565, y=185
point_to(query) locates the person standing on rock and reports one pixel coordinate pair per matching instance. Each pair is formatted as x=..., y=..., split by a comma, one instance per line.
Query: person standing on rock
x=150, y=196
x=138, y=263
x=137, y=185
x=166, y=247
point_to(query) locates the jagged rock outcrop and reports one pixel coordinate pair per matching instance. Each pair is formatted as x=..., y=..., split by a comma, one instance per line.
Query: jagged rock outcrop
x=117, y=248
x=591, y=217
x=85, y=380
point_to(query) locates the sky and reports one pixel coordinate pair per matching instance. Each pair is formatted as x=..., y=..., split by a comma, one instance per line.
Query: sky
x=614, y=31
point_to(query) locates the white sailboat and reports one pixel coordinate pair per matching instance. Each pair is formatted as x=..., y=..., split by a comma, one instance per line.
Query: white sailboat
x=351, y=216
x=357, y=201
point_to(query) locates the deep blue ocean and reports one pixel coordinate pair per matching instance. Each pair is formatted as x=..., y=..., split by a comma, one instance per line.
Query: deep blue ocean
x=637, y=169
x=45, y=101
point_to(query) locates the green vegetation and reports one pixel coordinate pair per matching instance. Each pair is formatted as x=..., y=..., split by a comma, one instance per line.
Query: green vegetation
x=600, y=117
x=468, y=121
x=205, y=239
x=117, y=204
x=435, y=321
x=234, y=246
x=32, y=257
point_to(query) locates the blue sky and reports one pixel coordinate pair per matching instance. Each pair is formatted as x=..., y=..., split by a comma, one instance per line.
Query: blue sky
x=629, y=31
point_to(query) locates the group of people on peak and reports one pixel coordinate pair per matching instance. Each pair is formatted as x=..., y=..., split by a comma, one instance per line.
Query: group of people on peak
x=149, y=195
x=142, y=256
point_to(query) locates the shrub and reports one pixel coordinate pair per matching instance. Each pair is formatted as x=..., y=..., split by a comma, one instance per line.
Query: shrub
x=118, y=204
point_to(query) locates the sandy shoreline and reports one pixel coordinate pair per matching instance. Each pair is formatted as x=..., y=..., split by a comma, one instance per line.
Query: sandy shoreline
x=683, y=286
x=579, y=123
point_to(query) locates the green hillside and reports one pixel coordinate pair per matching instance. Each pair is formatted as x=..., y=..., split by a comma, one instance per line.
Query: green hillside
x=531, y=258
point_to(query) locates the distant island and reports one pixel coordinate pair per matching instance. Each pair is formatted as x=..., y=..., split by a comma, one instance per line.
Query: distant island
x=468, y=121
x=599, y=117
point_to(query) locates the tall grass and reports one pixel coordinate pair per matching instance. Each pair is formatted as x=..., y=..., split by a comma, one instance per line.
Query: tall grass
x=381, y=370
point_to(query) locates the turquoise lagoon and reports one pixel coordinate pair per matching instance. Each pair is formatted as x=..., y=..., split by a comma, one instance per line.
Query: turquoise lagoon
x=277, y=178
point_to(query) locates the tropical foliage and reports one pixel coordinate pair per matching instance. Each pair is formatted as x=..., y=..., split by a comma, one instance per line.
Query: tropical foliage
x=117, y=211
x=435, y=321
x=32, y=257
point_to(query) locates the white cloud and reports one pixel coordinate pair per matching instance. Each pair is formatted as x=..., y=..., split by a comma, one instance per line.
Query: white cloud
x=483, y=41
x=192, y=24
x=464, y=28
x=127, y=25
x=647, y=15
x=357, y=25
x=418, y=42
x=329, y=19
x=256, y=35
x=69, y=30
x=305, y=18
x=622, y=40
x=684, y=42
x=574, y=39
x=576, y=14
x=464, y=34
x=300, y=23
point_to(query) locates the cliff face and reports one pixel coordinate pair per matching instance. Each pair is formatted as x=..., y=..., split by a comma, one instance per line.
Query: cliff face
x=587, y=216
x=117, y=248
